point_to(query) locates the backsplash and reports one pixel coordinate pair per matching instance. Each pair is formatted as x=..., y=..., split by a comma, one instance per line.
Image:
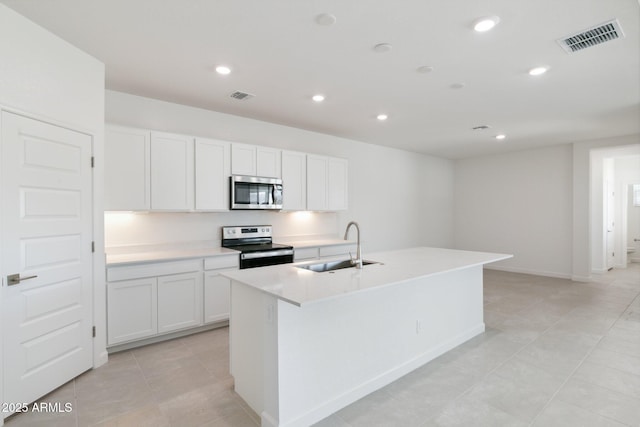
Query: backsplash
x=133, y=228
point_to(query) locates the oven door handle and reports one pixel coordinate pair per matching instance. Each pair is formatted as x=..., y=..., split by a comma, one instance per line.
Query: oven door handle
x=266, y=254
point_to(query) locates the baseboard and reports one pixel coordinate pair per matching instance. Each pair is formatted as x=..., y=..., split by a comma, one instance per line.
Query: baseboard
x=159, y=338
x=101, y=359
x=362, y=390
x=531, y=272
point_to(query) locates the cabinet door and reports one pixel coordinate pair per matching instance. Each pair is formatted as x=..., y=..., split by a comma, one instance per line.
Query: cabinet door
x=268, y=162
x=337, y=183
x=216, y=297
x=294, y=181
x=243, y=159
x=126, y=169
x=317, y=197
x=212, y=162
x=171, y=172
x=179, y=302
x=131, y=310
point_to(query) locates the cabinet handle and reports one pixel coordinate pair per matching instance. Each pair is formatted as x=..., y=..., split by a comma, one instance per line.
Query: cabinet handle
x=14, y=279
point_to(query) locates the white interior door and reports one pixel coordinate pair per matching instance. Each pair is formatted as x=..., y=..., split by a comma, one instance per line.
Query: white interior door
x=610, y=223
x=46, y=241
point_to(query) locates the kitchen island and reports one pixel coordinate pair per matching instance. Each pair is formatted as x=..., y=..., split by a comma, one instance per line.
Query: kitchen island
x=305, y=344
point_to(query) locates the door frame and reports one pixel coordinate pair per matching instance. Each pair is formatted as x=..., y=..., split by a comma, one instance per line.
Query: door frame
x=100, y=355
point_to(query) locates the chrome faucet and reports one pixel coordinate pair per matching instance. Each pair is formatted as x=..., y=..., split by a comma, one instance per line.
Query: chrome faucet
x=358, y=261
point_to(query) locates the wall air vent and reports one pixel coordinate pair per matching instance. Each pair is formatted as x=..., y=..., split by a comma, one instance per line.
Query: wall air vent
x=592, y=36
x=241, y=96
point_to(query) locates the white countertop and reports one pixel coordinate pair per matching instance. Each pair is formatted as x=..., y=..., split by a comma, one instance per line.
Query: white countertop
x=117, y=256
x=302, y=287
x=160, y=255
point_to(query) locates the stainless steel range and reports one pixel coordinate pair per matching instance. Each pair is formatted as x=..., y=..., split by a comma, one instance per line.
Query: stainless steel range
x=256, y=246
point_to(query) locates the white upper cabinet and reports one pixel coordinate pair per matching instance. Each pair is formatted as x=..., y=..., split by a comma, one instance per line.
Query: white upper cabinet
x=243, y=159
x=253, y=160
x=268, y=162
x=327, y=179
x=294, y=181
x=317, y=183
x=157, y=171
x=172, y=177
x=212, y=163
x=126, y=170
x=338, y=184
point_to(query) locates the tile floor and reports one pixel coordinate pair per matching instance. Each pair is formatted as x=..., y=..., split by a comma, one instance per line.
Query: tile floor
x=555, y=353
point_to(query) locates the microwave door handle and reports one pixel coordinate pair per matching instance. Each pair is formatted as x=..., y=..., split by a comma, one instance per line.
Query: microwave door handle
x=273, y=195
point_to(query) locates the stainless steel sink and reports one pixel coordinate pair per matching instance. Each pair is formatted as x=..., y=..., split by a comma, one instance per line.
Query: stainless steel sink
x=333, y=265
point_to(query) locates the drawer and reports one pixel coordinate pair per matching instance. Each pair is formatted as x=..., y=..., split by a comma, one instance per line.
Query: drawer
x=306, y=253
x=223, y=261
x=327, y=251
x=139, y=271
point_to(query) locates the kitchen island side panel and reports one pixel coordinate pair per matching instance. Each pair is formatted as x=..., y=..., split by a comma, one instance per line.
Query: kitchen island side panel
x=330, y=354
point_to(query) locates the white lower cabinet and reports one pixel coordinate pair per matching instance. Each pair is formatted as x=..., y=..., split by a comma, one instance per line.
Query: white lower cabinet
x=179, y=302
x=216, y=297
x=151, y=299
x=217, y=289
x=132, y=310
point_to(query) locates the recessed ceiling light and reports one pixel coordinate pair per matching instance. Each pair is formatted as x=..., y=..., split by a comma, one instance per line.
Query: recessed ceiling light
x=425, y=69
x=382, y=117
x=537, y=71
x=382, y=47
x=457, y=86
x=223, y=69
x=501, y=136
x=486, y=23
x=318, y=98
x=325, y=19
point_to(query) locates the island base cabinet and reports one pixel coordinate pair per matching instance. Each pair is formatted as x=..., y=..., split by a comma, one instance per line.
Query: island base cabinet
x=132, y=310
x=179, y=302
x=345, y=347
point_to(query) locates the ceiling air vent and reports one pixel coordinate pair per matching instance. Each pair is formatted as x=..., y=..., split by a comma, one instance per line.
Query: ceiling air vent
x=592, y=36
x=241, y=96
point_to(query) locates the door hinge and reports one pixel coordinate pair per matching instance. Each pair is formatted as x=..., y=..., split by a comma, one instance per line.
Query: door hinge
x=93, y=332
x=93, y=246
x=93, y=161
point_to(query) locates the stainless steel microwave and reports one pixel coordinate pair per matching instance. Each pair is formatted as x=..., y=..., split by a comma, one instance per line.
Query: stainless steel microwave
x=255, y=192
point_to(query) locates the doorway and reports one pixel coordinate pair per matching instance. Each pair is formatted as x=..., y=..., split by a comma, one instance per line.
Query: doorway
x=613, y=170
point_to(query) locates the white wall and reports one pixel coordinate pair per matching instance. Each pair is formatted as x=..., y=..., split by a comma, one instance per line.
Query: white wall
x=518, y=203
x=46, y=78
x=400, y=199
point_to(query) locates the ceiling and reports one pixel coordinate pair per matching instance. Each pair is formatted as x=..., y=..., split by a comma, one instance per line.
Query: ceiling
x=169, y=49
